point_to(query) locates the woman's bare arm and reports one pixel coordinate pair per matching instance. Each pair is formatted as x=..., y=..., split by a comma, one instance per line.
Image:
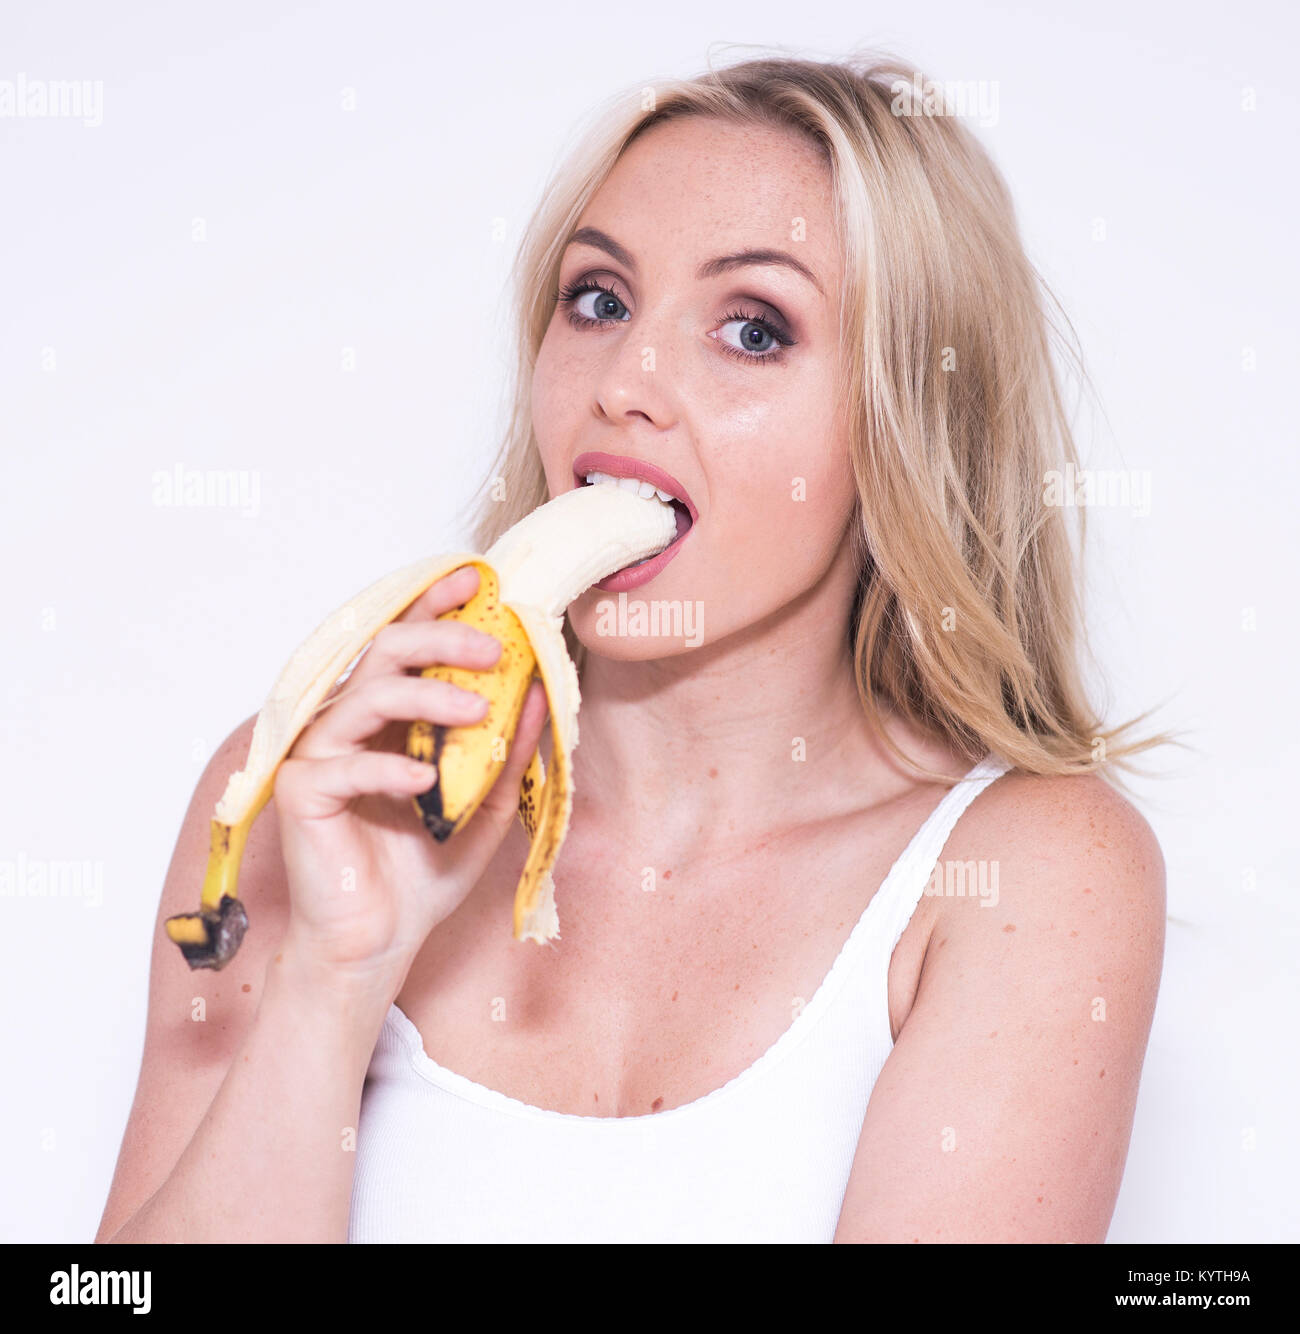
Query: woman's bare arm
x=1004, y=1112
x=245, y=1117
x=273, y=1157
x=251, y=1078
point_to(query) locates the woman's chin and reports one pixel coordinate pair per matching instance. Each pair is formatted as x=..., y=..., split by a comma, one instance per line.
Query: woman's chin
x=616, y=632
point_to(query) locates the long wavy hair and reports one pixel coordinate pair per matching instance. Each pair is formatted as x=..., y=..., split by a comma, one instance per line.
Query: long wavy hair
x=967, y=617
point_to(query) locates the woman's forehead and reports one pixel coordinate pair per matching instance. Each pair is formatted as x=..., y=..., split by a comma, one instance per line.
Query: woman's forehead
x=691, y=159
x=681, y=199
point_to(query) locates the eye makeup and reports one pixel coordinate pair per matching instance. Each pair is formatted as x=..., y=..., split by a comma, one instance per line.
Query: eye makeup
x=767, y=324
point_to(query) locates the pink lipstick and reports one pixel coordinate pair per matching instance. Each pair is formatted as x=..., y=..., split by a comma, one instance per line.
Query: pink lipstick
x=617, y=465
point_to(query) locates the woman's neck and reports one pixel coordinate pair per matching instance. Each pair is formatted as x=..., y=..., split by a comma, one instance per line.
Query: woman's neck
x=716, y=746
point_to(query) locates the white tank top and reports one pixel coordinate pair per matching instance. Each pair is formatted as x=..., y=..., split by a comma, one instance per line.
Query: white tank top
x=764, y=1158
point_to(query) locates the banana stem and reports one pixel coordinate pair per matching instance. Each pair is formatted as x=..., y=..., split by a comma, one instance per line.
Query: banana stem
x=225, y=849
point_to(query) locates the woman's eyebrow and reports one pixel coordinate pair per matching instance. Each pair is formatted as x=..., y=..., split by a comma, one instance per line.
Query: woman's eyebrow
x=593, y=236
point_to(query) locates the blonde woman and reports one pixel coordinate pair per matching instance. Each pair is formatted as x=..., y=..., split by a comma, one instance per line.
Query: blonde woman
x=858, y=942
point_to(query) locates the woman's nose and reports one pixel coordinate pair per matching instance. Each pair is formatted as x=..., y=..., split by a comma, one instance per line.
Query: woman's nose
x=638, y=374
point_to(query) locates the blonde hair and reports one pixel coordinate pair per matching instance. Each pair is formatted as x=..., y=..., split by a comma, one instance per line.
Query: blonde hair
x=967, y=617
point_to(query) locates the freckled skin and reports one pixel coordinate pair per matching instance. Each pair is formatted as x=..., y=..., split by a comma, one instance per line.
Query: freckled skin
x=733, y=433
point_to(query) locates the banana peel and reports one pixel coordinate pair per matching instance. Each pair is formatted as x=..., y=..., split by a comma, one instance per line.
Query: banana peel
x=531, y=574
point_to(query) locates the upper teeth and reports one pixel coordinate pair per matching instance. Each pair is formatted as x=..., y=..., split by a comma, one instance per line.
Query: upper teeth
x=637, y=487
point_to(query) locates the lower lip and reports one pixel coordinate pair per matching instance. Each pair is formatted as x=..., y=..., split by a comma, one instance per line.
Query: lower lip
x=633, y=576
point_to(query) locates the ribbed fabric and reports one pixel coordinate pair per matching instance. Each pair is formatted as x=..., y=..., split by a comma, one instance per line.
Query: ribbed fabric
x=764, y=1158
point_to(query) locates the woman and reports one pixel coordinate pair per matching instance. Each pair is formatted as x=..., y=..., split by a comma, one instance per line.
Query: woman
x=858, y=943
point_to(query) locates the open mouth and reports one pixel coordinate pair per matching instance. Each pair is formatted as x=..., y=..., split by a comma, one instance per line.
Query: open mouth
x=641, y=479
x=645, y=491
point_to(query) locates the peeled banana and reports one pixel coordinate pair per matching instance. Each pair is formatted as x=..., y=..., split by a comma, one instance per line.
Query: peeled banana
x=526, y=580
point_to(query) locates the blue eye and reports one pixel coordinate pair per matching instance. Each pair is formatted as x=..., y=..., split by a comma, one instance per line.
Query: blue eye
x=607, y=305
x=753, y=332
x=764, y=341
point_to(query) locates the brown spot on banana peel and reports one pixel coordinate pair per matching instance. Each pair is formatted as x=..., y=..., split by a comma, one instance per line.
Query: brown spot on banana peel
x=424, y=742
x=550, y=824
x=529, y=790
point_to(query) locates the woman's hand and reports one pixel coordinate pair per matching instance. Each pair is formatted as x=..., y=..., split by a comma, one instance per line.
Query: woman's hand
x=367, y=882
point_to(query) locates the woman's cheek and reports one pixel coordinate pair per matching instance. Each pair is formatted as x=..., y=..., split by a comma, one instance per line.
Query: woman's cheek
x=747, y=547
x=550, y=402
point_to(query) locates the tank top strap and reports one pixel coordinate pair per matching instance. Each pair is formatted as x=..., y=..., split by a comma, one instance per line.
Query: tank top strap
x=911, y=873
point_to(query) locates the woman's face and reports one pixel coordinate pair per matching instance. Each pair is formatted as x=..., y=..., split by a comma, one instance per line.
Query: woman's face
x=723, y=376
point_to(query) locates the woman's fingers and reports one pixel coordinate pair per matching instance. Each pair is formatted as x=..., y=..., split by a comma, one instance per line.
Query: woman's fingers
x=452, y=590
x=421, y=643
x=398, y=644
x=354, y=715
x=318, y=789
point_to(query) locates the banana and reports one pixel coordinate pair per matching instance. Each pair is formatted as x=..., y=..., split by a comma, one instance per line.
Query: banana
x=466, y=756
x=526, y=580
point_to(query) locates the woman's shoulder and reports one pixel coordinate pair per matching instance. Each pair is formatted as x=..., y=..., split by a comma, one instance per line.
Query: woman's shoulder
x=1027, y=1037
x=1027, y=820
x=1062, y=849
x=1071, y=814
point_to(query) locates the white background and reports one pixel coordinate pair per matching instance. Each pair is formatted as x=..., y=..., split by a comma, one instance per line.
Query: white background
x=138, y=635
